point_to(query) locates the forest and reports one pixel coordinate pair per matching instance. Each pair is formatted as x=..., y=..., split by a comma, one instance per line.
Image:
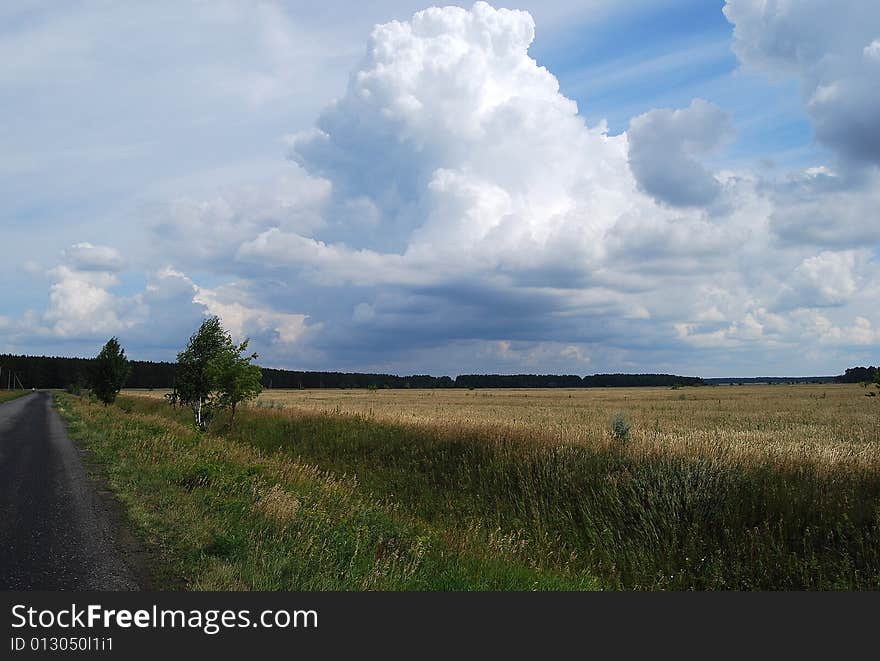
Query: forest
x=62, y=372
x=860, y=375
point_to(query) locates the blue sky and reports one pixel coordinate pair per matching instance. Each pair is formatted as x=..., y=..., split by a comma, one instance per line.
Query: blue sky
x=423, y=197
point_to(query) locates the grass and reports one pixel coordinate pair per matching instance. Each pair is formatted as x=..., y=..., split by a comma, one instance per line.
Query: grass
x=226, y=515
x=782, y=491
x=7, y=395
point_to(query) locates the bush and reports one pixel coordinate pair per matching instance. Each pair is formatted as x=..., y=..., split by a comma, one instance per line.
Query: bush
x=620, y=427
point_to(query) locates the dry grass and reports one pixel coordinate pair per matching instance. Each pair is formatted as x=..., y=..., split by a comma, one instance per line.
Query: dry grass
x=824, y=425
x=278, y=504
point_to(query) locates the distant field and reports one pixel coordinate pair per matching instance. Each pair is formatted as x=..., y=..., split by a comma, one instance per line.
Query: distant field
x=752, y=487
x=826, y=423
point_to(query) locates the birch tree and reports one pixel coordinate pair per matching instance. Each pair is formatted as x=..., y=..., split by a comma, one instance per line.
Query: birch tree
x=234, y=378
x=193, y=378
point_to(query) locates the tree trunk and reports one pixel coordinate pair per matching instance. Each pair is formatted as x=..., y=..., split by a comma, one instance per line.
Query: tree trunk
x=232, y=417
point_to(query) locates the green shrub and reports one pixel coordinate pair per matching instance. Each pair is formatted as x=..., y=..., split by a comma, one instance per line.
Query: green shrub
x=620, y=427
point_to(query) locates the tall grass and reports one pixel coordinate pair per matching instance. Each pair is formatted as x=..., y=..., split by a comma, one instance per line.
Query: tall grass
x=635, y=516
x=231, y=516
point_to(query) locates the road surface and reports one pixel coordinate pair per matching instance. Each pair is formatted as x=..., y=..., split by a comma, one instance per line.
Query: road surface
x=55, y=532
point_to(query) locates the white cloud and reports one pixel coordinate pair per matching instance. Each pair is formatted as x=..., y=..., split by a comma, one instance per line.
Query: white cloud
x=209, y=231
x=83, y=305
x=861, y=331
x=80, y=304
x=247, y=320
x=484, y=165
x=830, y=278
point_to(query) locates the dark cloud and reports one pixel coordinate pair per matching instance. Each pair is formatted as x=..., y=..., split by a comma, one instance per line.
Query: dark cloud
x=663, y=146
x=833, y=48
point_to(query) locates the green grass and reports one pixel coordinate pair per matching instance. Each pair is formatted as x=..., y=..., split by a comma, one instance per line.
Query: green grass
x=7, y=395
x=511, y=514
x=225, y=515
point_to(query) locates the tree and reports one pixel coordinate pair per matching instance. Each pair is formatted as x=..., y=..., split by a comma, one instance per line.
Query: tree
x=192, y=376
x=109, y=371
x=233, y=378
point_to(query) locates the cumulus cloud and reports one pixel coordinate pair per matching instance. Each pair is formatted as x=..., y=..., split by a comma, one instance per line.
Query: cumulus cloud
x=831, y=48
x=245, y=319
x=464, y=143
x=208, y=232
x=84, y=305
x=87, y=257
x=860, y=332
x=172, y=306
x=80, y=304
x=828, y=279
x=663, y=145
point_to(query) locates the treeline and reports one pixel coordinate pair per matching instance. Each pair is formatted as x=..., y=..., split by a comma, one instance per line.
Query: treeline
x=59, y=372
x=288, y=379
x=573, y=381
x=768, y=380
x=860, y=375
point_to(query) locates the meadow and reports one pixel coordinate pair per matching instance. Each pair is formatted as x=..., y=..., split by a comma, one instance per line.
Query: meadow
x=752, y=487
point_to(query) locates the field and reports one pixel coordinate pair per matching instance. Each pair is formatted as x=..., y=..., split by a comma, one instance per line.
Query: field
x=817, y=424
x=792, y=423
x=752, y=487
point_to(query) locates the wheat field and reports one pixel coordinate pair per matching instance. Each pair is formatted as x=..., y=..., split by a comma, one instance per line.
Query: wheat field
x=821, y=424
x=714, y=487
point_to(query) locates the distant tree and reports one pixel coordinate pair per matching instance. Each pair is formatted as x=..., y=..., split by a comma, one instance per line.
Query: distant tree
x=193, y=375
x=233, y=378
x=109, y=371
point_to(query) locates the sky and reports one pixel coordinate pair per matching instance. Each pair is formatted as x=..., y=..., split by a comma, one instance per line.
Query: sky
x=676, y=186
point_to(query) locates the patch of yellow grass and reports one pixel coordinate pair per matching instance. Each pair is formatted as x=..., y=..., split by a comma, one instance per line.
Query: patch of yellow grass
x=278, y=504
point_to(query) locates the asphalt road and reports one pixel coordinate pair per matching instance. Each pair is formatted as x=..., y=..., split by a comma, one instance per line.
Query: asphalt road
x=55, y=532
